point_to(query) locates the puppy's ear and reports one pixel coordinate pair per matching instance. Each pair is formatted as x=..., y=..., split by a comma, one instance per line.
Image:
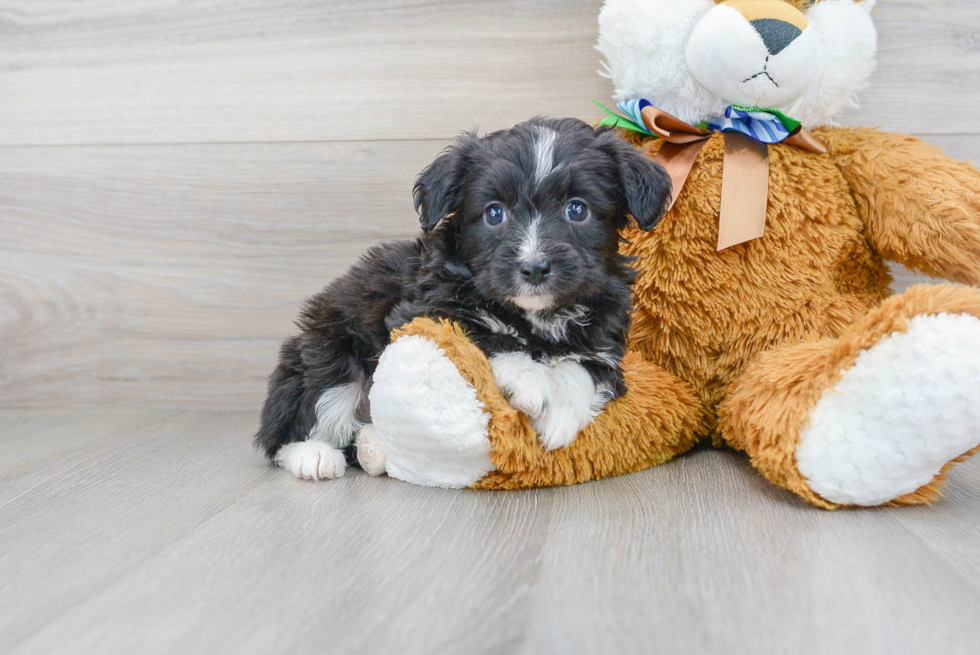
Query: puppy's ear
x=438, y=190
x=645, y=186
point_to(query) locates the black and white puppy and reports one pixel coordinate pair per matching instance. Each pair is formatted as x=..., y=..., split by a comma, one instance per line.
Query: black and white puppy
x=520, y=245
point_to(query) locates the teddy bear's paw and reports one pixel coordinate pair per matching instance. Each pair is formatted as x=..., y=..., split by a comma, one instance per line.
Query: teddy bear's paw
x=527, y=384
x=369, y=453
x=312, y=460
x=432, y=427
x=898, y=416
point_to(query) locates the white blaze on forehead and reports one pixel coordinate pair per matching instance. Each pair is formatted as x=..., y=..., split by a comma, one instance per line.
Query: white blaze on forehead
x=544, y=152
x=531, y=244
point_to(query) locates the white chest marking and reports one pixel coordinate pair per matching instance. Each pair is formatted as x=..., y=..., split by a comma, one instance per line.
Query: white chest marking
x=554, y=326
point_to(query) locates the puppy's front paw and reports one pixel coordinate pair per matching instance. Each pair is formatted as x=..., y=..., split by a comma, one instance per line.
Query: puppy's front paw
x=369, y=453
x=312, y=460
x=556, y=429
x=572, y=406
x=526, y=384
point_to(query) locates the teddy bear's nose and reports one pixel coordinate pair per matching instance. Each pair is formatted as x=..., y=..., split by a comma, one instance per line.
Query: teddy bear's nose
x=775, y=33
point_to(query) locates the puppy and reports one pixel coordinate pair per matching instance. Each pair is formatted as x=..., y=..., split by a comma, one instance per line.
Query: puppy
x=520, y=245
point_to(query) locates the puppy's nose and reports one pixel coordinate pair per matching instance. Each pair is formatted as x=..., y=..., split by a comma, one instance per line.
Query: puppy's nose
x=535, y=272
x=775, y=33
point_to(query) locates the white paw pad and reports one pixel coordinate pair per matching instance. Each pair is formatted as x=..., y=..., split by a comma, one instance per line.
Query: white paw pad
x=903, y=411
x=312, y=460
x=369, y=453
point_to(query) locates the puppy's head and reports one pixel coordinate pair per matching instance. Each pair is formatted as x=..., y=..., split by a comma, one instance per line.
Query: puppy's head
x=534, y=211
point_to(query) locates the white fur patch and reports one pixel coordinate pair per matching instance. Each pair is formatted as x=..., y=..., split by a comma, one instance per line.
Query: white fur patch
x=644, y=44
x=497, y=326
x=848, y=49
x=534, y=302
x=336, y=415
x=430, y=424
x=906, y=408
x=311, y=460
x=554, y=326
x=559, y=398
x=544, y=153
x=727, y=55
x=370, y=455
x=530, y=249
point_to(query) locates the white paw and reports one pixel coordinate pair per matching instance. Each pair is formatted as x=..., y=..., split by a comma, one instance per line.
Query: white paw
x=903, y=411
x=369, y=453
x=312, y=460
x=559, y=398
x=571, y=406
x=527, y=384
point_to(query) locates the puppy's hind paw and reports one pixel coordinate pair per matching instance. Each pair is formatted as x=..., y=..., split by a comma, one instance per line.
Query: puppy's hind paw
x=312, y=460
x=369, y=453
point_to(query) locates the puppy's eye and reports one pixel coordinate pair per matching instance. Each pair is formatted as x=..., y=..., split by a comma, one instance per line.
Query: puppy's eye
x=577, y=211
x=494, y=214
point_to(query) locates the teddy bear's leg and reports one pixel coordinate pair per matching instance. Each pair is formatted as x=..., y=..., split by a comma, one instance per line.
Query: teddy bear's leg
x=877, y=416
x=429, y=427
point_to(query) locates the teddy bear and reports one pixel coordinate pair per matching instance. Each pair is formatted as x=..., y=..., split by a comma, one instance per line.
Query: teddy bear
x=763, y=318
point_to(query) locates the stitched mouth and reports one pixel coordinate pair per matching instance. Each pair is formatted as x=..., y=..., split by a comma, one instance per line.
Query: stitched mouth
x=764, y=71
x=760, y=74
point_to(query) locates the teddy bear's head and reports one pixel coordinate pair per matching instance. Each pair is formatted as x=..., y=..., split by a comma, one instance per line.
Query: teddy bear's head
x=695, y=58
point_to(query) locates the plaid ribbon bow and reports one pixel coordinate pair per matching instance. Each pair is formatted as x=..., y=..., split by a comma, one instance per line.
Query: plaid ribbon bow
x=749, y=131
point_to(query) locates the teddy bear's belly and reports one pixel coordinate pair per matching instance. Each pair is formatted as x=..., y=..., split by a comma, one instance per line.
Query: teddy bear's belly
x=705, y=315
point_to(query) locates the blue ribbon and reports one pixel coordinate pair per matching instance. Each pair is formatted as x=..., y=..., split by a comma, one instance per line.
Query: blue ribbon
x=759, y=125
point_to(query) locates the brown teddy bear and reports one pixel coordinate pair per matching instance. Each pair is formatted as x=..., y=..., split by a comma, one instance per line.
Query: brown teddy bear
x=763, y=315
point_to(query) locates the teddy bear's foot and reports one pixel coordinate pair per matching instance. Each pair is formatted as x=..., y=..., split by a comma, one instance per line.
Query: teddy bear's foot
x=875, y=417
x=905, y=409
x=429, y=423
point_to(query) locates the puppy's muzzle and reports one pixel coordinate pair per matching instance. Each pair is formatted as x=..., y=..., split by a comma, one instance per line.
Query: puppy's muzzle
x=536, y=271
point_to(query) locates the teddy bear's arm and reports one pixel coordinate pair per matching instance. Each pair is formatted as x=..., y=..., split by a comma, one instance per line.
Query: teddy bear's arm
x=920, y=208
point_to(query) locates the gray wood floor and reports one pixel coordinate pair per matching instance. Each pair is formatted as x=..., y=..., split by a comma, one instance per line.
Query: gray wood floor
x=162, y=532
x=176, y=176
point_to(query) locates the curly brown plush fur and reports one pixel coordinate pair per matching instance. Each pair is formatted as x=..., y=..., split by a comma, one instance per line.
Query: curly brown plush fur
x=738, y=346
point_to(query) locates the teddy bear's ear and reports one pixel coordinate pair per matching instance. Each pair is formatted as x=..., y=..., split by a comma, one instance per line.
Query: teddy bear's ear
x=437, y=191
x=645, y=187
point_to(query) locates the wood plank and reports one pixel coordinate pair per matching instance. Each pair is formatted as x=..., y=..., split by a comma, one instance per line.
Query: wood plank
x=135, y=484
x=291, y=70
x=178, y=538
x=703, y=556
x=305, y=70
x=169, y=274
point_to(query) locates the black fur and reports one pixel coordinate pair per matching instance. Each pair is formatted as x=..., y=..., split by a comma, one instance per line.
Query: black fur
x=470, y=271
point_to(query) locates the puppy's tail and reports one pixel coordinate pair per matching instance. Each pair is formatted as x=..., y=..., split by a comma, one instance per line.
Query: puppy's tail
x=281, y=412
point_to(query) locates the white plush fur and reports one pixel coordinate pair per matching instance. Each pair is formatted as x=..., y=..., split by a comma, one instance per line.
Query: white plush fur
x=312, y=460
x=907, y=407
x=430, y=424
x=645, y=45
x=559, y=397
x=729, y=58
x=369, y=453
x=336, y=415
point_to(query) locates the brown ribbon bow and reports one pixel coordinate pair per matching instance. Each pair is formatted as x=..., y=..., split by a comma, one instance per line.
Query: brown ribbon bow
x=744, y=182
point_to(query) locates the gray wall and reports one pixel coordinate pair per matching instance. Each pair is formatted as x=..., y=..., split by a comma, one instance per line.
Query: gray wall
x=175, y=177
